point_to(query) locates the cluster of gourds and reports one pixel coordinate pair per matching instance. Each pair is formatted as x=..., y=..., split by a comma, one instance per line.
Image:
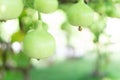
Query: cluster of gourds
x=38, y=42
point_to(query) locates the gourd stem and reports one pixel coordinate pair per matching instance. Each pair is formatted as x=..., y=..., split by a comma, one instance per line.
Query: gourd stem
x=39, y=22
x=81, y=1
x=39, y=25
x=39, y=16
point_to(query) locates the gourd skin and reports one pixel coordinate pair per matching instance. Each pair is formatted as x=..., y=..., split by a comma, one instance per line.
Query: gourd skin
x=80, y=14
x=10, y=9
x=46, y=6
x=39, y=43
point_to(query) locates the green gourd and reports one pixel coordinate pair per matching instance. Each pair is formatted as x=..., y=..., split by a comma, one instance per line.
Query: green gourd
x=10, y=9
x=46, y=6
x=39, y=43
x=80, y=14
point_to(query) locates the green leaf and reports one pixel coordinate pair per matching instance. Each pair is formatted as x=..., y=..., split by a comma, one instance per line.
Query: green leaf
x=13, y=75
x=21, y=60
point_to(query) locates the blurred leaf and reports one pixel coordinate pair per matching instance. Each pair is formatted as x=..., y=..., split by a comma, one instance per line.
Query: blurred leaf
x=67, y=70
x=13, y=75
x=116, y=12
x=18, y=36
x=21, y=60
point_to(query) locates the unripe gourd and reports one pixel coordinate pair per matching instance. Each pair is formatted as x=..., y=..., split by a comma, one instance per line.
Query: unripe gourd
x=80, y=14
x=39, y=43
x=10, y=9
x=46, y=6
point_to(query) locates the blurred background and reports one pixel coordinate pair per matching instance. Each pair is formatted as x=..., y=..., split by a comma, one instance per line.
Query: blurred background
x=82, y=53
